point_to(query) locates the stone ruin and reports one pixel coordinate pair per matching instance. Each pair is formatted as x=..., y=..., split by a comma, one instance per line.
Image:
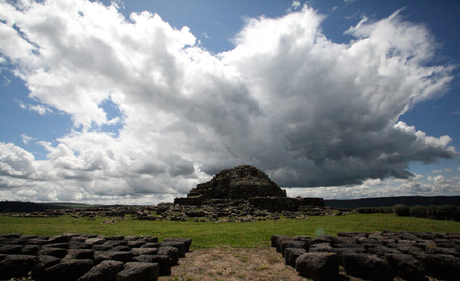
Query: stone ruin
x=89, y=257
x=380, y=256
x=246, y=185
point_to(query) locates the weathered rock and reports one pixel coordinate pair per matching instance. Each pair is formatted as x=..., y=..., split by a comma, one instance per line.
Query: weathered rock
x=16, y=265
x=112, y=255
x=144, y=251
x=68, y=270
x=105, y=271
x=172, y=252
x=321, y=247
x=444, y=267
x=138, y=271
x=180, y=246
x=79, y=254
x=55, y=252
x=44, y=262
x=367, y=267
x=11, y=249
x=318, y=266
x=30, y=249
x=406, y=267
x=163, y=261
x=187, y=242
x=292, y=244
x=291, y=254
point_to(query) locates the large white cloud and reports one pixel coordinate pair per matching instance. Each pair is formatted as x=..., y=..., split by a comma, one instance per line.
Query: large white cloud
x=288, y=100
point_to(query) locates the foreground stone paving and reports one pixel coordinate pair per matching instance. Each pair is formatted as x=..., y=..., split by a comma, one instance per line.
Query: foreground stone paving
x=374, y=256
x=89, y=257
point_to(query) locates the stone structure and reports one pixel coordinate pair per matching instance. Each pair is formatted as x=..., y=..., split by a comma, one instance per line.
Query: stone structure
x=89, y=257
x=373, y=256
x=241, y=182
x=246, y=184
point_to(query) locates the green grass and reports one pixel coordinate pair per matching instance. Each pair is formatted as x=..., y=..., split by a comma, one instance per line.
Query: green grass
x=208, y=234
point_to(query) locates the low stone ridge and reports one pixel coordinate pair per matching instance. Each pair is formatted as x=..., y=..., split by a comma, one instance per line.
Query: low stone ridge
x=89, y=257
x=377, y=256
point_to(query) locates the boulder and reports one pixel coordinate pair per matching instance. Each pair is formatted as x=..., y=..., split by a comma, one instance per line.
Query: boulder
x=318, y=266
x=138, y=271
x=291, y=254
x=112, y=255
x=163, y=261
x=69, y=270
x=367, y=266
x=406, y=267
x=105, y=271
x=44, y=262
x=444, y=267
x=16, y=265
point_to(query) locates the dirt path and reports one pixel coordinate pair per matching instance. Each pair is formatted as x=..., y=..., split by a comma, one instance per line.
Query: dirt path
x=226, y=263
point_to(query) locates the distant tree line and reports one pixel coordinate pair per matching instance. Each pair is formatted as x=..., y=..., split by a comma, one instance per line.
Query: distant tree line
x=26, y=207
x=434, y=212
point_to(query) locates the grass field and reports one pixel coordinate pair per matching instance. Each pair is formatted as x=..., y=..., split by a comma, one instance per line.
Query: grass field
x=209, y=234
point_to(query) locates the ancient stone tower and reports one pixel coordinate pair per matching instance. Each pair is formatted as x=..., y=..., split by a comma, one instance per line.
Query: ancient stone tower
x=241, y=182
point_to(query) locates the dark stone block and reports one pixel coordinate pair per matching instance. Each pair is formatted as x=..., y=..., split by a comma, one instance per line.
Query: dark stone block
x=144, y=251
x=112, y=255
x=57, y=245
x=11, y=249
x=102, y=248
x=180, y=246
x=105, y=271
x=406, y=267
x=69, y=270
x=37, y=241
x=321, y=247
x=16, y=265
x=292, y=244
x=172, y=252
x=79, y=245
x=291, y=254
x=44, y=262
x=318, y=266
x=277, y=239
x=444, y=267
x=151, y=245
x=187, y=241
x=138, y=271
x=367, y=266
x=55, y=252
x=77, y=254
x=121, y=248
x=163, y=260
x=30, y=249
x=135, y=244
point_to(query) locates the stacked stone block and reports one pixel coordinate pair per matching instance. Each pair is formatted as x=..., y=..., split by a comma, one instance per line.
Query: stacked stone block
x=374, y=256
x=88, y=257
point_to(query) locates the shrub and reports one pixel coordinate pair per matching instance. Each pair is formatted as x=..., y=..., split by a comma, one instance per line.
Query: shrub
x=401, y=210
x=418, y=211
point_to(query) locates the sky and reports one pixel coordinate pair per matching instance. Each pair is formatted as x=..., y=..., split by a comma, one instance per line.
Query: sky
x=136, y=102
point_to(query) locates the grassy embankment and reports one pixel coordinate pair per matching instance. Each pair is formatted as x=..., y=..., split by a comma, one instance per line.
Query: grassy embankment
x=208, y=234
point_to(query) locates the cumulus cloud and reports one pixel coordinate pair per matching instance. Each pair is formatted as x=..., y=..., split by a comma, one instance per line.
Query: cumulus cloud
x=286, y=99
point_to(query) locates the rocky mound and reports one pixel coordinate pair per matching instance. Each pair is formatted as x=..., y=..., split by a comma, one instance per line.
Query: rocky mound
x=241, y=182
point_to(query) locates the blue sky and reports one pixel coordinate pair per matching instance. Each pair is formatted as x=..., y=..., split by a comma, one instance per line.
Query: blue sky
x=138, y=101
